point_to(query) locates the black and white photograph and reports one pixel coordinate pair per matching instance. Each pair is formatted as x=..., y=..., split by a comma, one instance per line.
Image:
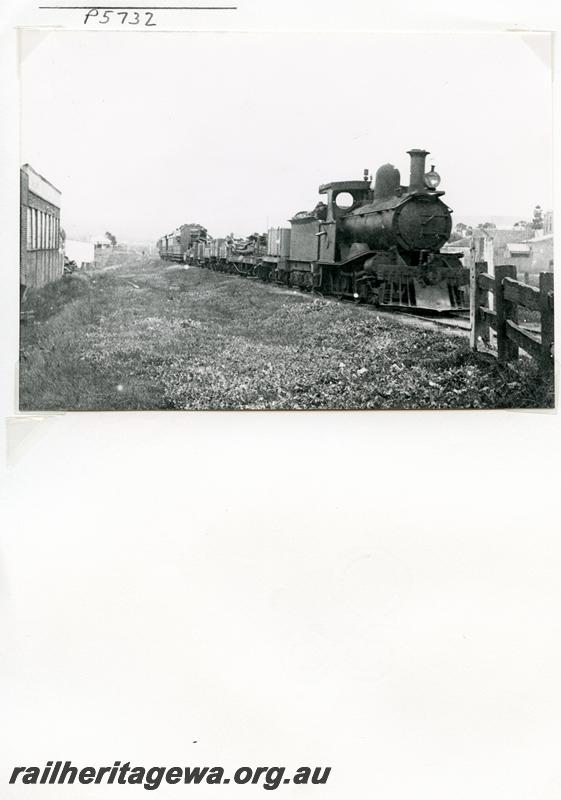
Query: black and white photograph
x=263, y=206
x=285, y=220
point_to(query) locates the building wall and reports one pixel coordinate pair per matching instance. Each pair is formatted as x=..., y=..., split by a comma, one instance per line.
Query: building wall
x=491, y=245
x=539, y=259
x=40, y=258
x=542, y=255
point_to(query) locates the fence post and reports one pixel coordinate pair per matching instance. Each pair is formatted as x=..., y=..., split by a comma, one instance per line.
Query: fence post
x=477, y=298
x=504, y=309
x=546, y=313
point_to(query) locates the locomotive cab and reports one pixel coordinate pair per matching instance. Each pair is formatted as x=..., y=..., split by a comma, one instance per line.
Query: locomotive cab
x=344, y=196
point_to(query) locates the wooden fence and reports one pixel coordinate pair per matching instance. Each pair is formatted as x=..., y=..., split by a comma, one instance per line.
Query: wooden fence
x=509, y=295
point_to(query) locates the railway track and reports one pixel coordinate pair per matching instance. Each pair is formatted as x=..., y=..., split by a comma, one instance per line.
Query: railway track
x=454, y=322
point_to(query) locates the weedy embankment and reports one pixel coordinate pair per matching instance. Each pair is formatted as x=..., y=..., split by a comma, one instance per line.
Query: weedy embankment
x=146, y=335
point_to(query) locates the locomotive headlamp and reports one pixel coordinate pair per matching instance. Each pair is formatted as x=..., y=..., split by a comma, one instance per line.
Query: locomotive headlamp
x=432, y=178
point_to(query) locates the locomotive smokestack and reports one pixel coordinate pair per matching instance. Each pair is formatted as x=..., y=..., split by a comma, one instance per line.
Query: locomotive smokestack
x=417, y=178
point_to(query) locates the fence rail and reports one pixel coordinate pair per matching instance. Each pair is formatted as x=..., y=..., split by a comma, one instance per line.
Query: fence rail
x=510, y=294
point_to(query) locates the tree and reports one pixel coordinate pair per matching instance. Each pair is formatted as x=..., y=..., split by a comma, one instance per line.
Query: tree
x=522, y=223
x=461, y=231
x=111, y=238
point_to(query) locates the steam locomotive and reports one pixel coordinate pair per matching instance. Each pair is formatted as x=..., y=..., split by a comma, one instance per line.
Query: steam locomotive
x=377, y=245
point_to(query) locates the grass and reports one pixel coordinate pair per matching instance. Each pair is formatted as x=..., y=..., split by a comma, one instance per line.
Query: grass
x=193, y=339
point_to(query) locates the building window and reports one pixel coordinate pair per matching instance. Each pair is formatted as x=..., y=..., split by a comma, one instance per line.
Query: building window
x=28, y=228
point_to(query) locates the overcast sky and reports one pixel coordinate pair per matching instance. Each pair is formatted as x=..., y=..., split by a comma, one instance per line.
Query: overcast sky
x=142, y=132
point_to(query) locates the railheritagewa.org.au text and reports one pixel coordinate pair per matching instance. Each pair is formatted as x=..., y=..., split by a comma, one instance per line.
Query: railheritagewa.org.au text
x=151, y=778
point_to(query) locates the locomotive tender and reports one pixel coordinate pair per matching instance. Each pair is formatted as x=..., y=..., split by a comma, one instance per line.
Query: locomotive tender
x=377, y=245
